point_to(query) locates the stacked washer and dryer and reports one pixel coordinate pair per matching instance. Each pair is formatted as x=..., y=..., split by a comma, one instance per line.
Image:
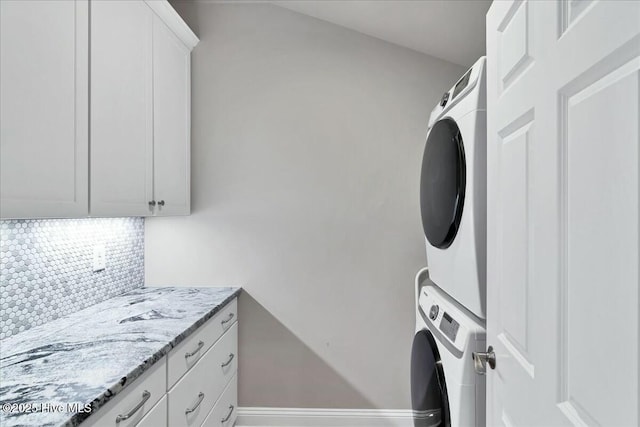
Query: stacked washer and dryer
x=446, y=390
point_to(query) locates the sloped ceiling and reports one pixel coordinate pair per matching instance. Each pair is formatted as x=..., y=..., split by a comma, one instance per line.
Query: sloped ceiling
x=453, y=30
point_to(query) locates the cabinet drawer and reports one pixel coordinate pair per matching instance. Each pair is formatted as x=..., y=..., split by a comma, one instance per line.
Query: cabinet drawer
x=187, y=353
x=157, y=416
x=137, y=399
x=225, y=411
x=194, y=395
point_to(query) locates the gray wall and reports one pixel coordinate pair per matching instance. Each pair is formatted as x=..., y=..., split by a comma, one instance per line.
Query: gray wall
x=307, y=144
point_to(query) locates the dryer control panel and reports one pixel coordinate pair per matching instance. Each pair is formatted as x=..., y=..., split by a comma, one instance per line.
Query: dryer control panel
x=454, y=95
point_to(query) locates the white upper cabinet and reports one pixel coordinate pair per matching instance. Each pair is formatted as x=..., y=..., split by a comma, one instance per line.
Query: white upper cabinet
x=121, y=108
x=120, y=114
x=171, y=125
x=44, y=67
x=140, y=115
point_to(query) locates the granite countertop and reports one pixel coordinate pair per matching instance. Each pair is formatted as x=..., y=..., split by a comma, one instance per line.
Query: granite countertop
x=91, y=355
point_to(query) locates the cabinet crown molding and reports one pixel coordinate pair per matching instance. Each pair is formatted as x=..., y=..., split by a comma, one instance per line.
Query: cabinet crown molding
x=170, y=17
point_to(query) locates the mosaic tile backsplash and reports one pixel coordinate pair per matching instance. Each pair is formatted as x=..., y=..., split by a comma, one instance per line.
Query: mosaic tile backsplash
x=46, y=267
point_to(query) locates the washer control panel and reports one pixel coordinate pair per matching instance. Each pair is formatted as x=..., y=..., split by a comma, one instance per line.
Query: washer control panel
x=444, y=318
x=449, y=326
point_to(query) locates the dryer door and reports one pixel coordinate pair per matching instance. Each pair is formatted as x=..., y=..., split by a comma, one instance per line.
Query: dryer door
x=442, y=183
x=429, y=399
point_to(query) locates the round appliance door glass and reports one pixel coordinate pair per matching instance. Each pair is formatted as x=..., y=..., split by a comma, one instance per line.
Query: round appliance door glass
x=442, y=183
x=429, y=399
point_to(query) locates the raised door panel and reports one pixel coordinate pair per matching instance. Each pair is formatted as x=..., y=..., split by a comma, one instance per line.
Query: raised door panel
x=121, y=108
x=44, y=109
x=600, y=296
x=171, y=107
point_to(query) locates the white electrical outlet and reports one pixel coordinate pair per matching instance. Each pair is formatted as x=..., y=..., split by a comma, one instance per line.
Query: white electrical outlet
x=99, y=257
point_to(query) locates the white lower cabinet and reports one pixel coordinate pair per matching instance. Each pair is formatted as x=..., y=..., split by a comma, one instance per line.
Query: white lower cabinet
x=134, y=402
x=194, y=385
x=225, y=411
x=157, y=416
x=191, y=399
x=186, y=354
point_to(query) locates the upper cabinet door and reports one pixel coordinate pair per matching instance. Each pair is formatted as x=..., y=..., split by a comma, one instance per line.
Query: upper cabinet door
x=121, y=108
x=43, y=109
x=171, y=107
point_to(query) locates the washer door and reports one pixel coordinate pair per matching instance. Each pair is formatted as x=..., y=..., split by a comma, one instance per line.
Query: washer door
x=429, y=399
x=442, y=183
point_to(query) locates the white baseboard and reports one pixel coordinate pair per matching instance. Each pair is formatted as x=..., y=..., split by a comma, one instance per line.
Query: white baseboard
x=308, y=417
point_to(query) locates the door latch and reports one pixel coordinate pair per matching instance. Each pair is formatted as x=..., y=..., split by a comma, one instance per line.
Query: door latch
x=482, y=359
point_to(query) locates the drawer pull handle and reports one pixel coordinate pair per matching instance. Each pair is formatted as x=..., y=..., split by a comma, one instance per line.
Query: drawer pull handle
x=224, y=322
x=225, y=419
x=200, y=399
x=228, y=362
x=145, y=396
x=194, y=352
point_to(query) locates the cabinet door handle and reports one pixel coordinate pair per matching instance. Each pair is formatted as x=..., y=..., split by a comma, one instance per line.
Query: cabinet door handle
x=228, y=362
x=194, y=352
x=190, y=410
x=145, y=396
x=152, y=203
x=228, y=319
x=225, y=419
x=161, y=203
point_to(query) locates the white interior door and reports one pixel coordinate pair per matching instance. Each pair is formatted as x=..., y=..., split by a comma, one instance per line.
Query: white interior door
x=563, y=259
